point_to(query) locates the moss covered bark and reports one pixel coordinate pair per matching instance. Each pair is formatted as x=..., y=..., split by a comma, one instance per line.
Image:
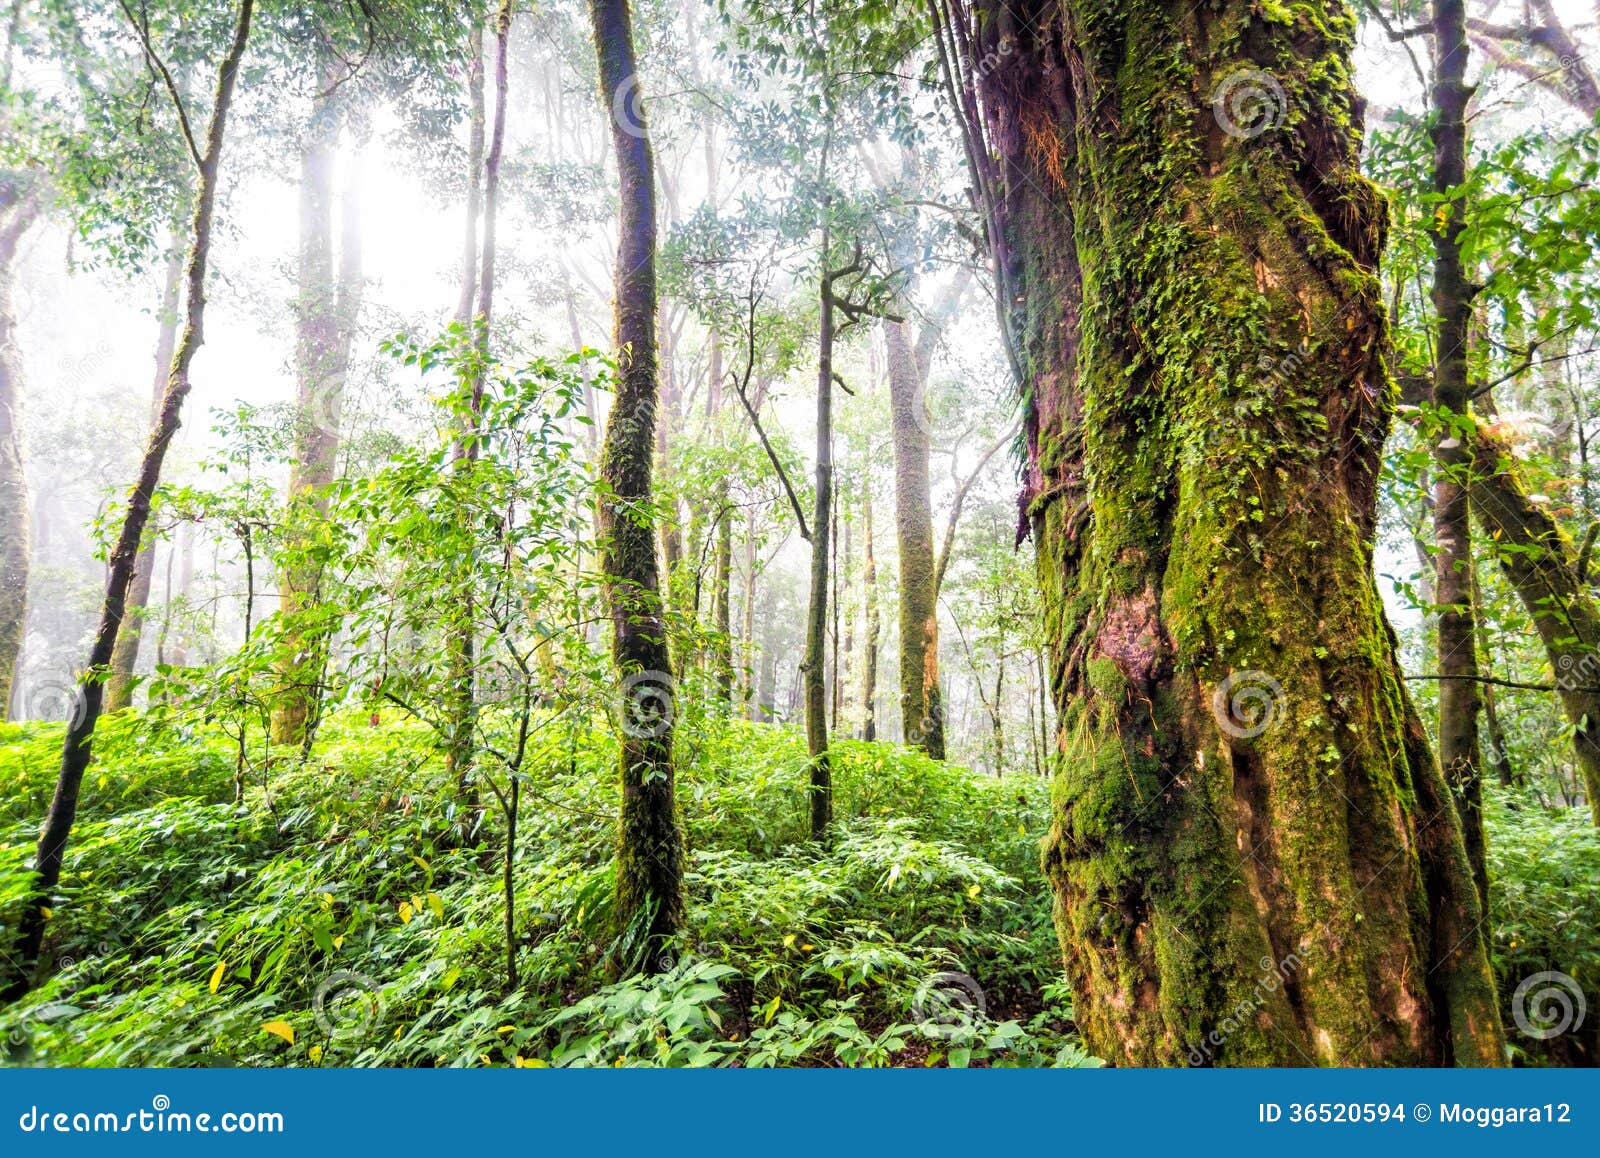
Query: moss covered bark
x=1541, y=563
x=921, y=712
x=649, y=896
x=1255, y=857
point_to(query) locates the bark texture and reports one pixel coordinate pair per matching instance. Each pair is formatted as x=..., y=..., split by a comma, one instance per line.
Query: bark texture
x=1255, y=857
x=920, y=707
x=650, y=840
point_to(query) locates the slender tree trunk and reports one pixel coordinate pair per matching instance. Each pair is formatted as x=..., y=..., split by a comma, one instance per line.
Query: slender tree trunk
x=650, y=841
x=1459, y=700
x=463, y=641
x=14, y=546
x=747, y=651
x=1497, y=756
x=77, y=746
x=869, y=638
x=921, y=714
x=458, y=752
x=125, y=657
x=1242, y=778
x=722, y=597
x=814, y=666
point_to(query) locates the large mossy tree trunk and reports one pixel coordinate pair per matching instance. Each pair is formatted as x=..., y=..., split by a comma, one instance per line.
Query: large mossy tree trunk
x=325, y=314
x=125, y=656
x=649, y=898
x=1460, y=701
x=921, y=711
x=1255, y=857
x=1545, y=568
x=18, y=212
x=77, y=744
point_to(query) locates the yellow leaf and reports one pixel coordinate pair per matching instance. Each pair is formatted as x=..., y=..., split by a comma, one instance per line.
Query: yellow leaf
x=505, y=1029
x=974, y=891
x=338, y=942
x=530, y=1063
x=280, y=1029
x=46, y=911
x=216, y=975
x=416, y=903
x=807, y=948
x=422, y=864
x=405, y=912
x=788, y=942
x=315, y=1054
x=436, y=903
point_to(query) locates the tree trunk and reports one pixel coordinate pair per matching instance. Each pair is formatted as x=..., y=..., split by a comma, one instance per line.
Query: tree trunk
x=1255, y=857
x=462, y=643
x=650, y=841
x=869, y=638
x=1459, y=701
x=722, y=597
x=125, y=656
x=14, y=546
x=814, y=666
x=921, y=713
x=1541, y=564
x=325, y=321
x=77, y=746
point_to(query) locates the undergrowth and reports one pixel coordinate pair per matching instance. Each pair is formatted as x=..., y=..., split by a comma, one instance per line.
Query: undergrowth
x=337, y=916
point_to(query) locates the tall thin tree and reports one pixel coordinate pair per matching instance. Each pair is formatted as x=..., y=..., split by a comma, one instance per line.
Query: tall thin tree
x=649, y=897
x=77, y=746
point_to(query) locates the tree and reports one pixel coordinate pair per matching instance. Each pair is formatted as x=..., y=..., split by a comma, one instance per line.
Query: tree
x=19, y=209
x=125, y=657
x=649, y=900
x=77, y=745
x=1186, y=256
x=1460, y=703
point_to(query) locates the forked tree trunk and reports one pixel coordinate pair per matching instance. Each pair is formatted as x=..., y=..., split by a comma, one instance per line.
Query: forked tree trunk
x=1460, y=702
x=1255, y=857
x=14, y=546
x=76, y=749
x=125, y=656
x=650, y=841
